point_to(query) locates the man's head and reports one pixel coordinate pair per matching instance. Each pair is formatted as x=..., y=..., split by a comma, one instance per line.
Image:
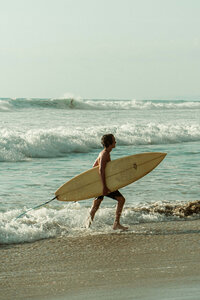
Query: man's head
x=108, y=140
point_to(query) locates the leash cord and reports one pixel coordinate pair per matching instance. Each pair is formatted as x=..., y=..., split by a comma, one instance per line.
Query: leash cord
x=24, y=213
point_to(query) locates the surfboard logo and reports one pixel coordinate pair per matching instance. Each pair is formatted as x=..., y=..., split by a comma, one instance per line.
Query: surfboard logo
x=135, y=166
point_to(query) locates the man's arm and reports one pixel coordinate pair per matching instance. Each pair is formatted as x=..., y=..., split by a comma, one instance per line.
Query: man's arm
x=102, y=166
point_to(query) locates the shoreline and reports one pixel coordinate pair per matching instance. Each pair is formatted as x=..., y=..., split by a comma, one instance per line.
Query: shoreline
x=154, y=257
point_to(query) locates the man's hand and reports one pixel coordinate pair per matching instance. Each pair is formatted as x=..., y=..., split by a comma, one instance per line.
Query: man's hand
x=106, y=191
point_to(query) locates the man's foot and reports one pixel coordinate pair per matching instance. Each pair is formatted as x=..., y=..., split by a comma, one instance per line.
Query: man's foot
x=88, y=222
x=119, y=226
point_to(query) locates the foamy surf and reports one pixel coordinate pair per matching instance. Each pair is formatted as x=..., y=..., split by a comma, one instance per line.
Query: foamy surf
x=71, y=220
x=18, y=145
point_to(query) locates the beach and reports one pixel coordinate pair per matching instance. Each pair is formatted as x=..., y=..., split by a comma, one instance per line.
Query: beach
x=153, y=261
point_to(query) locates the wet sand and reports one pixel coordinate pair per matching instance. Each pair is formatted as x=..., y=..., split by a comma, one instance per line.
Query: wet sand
x=157, y=260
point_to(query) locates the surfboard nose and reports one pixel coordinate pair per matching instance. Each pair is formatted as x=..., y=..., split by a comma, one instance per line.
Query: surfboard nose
x=162, y=156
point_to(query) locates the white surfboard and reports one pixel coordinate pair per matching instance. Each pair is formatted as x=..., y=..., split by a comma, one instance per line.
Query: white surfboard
x=119, y=173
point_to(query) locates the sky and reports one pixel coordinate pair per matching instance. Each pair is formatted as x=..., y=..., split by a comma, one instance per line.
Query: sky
x=100, y=49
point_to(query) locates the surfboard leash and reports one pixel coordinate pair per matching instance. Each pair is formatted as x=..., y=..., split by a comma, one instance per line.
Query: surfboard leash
x=38, y=206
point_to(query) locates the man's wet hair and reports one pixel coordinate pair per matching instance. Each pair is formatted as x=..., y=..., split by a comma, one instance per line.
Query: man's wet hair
x=107, y=140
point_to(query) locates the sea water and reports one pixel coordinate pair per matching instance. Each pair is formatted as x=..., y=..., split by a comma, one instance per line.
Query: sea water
x=45, y=142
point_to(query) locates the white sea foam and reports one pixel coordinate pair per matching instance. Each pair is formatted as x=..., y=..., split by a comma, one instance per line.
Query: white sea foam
x=16, y=145
x=77, y=103
x=70, y=220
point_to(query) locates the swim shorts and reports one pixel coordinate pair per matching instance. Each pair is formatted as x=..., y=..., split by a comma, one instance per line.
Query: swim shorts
x=112, y=195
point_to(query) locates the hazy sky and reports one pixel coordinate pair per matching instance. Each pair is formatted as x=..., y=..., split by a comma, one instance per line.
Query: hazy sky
x=126, y=49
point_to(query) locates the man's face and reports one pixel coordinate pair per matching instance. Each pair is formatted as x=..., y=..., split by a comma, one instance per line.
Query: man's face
x=114, y=142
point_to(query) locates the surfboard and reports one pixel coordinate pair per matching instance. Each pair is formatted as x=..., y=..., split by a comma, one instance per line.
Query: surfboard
x=119, y=173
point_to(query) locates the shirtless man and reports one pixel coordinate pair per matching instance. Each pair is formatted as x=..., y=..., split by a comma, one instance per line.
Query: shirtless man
x=109, y=142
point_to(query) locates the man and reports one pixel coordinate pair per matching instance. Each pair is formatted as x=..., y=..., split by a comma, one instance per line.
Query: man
x=109, y=142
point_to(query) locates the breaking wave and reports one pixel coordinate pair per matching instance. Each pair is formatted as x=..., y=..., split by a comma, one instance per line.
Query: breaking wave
x=8, y=104
x=58, y=142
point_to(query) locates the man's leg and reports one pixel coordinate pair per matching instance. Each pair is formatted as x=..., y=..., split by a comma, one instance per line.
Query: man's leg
x=95, y=207
x=120, y=204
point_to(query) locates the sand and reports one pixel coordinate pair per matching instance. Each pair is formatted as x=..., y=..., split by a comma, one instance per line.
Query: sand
x=152, y=261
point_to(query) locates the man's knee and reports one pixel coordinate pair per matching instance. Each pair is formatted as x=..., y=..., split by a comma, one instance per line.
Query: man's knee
x=121, y=199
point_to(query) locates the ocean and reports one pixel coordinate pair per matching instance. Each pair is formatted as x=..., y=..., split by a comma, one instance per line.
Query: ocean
x=45, y=142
